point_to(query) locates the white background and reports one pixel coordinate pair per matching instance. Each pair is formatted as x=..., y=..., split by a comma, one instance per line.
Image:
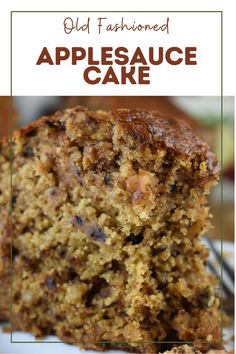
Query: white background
x=33, y=31
x=229, y=29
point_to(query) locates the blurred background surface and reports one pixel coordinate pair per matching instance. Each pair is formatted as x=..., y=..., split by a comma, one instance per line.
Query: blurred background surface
x=202, y=113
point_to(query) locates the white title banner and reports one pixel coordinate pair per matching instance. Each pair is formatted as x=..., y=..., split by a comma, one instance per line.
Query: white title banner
x=116, y=53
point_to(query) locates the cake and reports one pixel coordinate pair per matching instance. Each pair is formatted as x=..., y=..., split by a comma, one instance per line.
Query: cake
x=108, y=208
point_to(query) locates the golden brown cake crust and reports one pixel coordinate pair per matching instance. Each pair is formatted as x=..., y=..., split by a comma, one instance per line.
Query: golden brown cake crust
x=155, y=128
x=175, y=135
x=149, y=129
x=163, y=104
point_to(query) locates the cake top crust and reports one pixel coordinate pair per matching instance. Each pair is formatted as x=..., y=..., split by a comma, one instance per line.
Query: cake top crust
x=147, y=129
x=156, y=128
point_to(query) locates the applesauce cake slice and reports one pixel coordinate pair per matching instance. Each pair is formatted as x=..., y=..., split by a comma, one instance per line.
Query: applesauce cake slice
x=107, y=213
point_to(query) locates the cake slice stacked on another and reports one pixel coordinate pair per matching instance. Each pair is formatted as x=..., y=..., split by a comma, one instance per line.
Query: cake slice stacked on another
x=107, y=213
